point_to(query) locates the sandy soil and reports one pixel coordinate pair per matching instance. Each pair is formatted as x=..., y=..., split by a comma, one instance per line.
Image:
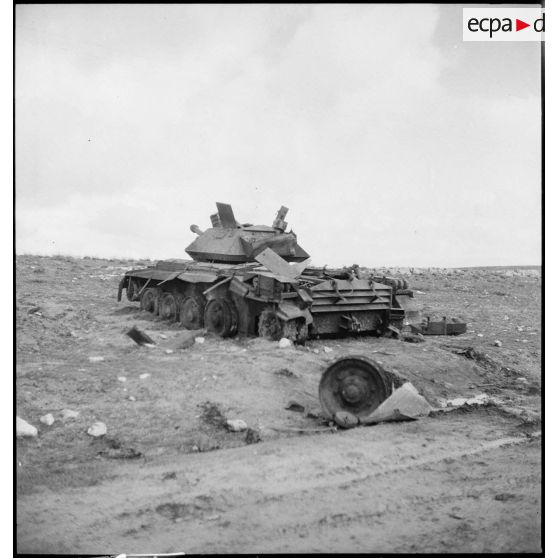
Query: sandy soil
x=168, y=477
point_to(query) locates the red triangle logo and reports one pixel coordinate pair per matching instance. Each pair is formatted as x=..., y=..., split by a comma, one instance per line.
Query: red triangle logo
x=519, y=25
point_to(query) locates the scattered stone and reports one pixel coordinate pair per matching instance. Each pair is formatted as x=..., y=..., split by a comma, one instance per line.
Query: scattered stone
x=162, y=336
x=252, y=436
x=96, y=358
x=195, y=448
x=294, y=406
x=205, y=443
x=315, y=351
x=199, y=340
x=144, y=376
x=187, y=339
x=97, y=429
x=24, y=429
x=47, y=419
x=68, y=414
x=314, y=413
x=480, y=335
x=497, y=343
x=131, y=398
x=284, y=343
x=345, y=419
x=121, y=378
x=328, y=350
x=522, y=380
x=169, y=351
x=236, y=425
x=139, y=336
x=34, y=310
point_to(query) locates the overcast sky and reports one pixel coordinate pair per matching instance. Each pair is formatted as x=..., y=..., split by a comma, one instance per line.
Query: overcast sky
x=391, y=140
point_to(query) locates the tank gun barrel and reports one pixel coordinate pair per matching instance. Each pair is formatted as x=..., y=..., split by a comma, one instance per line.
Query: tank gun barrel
x=196, y=229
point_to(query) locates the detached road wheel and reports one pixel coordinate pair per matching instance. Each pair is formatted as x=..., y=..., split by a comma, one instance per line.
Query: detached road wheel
x=168, y=307
x=191, y=312
x=356, y=384
x=221, y=317
x=148, y=300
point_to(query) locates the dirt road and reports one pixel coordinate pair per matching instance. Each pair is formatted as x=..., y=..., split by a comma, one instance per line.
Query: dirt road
x=167, y=477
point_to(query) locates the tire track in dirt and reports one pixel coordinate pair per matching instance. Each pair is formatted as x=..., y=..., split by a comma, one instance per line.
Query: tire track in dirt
x=281, y=497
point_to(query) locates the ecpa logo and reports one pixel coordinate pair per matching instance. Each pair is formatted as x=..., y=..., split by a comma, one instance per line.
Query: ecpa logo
x=503, y=24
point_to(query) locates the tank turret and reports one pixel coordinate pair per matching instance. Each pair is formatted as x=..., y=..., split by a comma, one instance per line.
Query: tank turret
x=227, y=241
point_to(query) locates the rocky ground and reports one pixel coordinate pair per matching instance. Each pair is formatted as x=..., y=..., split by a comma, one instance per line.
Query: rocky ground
x=168, y=476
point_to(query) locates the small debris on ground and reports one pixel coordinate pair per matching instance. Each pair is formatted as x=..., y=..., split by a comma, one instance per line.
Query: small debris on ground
x=96, y=358
x=131, y=398
x=328, y=350
x=344, y=419
x=47, y=419
x=162, y=336
x=199, y=340
x=413, y=338
x=295, y=406
x=139, y=336
x=284, y=343
x=285, y=372
x=480, y=399
x=315, y=413
x=236, y=425
x=68, y=414
x=497, y=343
x=252, y=436
x=144, y=375
x=121, y=378
x=169, y=351
x=23, y=428
x=187, y=339
x=97, y=429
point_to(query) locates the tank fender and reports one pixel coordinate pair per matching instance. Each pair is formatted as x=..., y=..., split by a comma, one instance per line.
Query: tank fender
x=287, y=311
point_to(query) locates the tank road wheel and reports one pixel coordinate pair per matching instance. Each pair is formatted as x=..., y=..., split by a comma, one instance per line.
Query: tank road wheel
x=132, y=289
x=270, y=326
x=296, y=331
x=191, y=312
x=168, y=307
x=220, y=317
x=148, y=300
x=353, y=384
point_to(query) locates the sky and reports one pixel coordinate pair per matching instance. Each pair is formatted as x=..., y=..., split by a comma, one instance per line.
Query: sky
x=391, y=141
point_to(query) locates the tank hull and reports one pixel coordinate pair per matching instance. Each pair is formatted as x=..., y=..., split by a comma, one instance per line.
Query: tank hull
x=249, y=299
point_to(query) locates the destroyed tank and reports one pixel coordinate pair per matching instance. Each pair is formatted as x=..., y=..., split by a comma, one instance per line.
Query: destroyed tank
x=257, y=280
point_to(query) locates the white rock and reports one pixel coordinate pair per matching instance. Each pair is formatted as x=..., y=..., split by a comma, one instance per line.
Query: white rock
x=96, y=359
x=284, y=343
x=121, y=378
x=236, y=425
x=497, y=343
x=199, y=340
x=480, y=335
x=23, y=428
x=316, y=351
x=144, y=376
x=149, y=345
x=162, y=336
x=131, y=398
x=327, y=350
x=169, y=351
x=97, y=429
x=47, y=419
x=69, y=414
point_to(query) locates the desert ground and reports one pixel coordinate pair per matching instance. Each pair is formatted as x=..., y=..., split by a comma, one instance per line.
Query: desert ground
x=168, y=477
